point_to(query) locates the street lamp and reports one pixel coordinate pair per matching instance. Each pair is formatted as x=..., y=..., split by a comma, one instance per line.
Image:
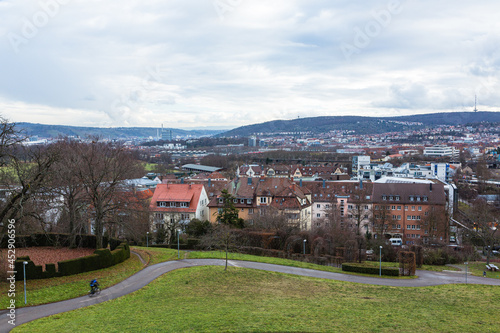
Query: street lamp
x=147, y=239
x=380, y=260
x=24, y=271
x=178, y=231
x=305, y=246
x=466, y=263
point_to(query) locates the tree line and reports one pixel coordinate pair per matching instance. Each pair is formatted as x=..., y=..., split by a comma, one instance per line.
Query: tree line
x=68, y=186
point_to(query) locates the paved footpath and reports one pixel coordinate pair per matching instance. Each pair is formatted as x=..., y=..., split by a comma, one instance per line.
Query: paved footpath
x=150, y=273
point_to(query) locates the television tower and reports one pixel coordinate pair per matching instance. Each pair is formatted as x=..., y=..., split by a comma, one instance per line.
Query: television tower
x=475, y=103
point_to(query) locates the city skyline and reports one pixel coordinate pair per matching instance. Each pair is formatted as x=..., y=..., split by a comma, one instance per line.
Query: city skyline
x=230, y=63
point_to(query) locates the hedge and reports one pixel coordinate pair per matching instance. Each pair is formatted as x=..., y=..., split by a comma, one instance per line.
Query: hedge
x=55, y=239
x=389, y=271
x=101, y=258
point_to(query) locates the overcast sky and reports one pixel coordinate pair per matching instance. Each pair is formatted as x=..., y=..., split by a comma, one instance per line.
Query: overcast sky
x=228, y=63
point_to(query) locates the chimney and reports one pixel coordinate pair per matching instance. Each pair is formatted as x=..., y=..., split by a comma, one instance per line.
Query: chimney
x=324, y=183
x=209, y=182
x=300, y=182
x=361, y=184
x=291, y=178
x=430, y=187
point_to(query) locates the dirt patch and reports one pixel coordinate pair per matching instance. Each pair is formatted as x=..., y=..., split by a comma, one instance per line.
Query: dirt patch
x=49, y=255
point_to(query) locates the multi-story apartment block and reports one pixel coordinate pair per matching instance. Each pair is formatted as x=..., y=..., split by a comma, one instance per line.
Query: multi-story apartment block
x=416, y=213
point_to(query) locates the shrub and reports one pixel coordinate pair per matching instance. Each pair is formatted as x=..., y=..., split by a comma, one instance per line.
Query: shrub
x=389, y=271
x=105, y=258
x=50, y=271
x=32, y=271
x=70, y=267
x=114, y=243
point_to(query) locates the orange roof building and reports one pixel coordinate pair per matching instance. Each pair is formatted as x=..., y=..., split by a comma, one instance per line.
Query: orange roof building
x=177, y=204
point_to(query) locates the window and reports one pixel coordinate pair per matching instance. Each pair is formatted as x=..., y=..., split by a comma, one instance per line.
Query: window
x=399, y=217
x=184, y=204
x=250, y=210
x=413, y=208
x=242, y=201
x=221, y=200
x=327, y=206
x=399, y=207
x=425, y=198
x=366, y=207
x=391, y=198
x=418, y=217
x=235, y=200
x=318, y=206
x=159, y=216
x=172, y=204
x=263, y=200
x=318, y=215
x=384, y=197
x=420, y=208
x=394, y=217
x=397, y=197
x=408, y=227
x=406, y=208
x=411, y=198
x=393, y=207
x=399, y=226
x=376, y=207
x=349, y=206
x=249, y=201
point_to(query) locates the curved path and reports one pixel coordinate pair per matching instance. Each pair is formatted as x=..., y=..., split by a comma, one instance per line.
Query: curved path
x=150, y=273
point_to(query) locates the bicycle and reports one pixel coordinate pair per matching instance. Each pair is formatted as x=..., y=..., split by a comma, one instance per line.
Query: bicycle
x=94, y=291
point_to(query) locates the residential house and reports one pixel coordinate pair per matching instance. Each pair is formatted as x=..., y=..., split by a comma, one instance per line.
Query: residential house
x=252, y=196
x=177, y=204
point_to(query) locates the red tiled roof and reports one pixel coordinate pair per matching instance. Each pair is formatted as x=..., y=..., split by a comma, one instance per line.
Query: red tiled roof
x=177, y=193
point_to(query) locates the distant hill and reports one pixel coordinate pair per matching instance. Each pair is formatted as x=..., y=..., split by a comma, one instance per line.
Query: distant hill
x=51, y=131
x=364, y=125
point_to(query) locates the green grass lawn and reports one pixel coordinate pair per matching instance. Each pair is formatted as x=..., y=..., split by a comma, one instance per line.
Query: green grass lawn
x=209, y=299
x=477, y=268
x=160, y=255
x=57, y=289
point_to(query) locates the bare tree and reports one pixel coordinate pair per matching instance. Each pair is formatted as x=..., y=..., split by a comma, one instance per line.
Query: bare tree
x=381, y=218
x=221, y=237
x=68, y=186
x=29, y=170
x=102, y=167
x=485, y=225
x=359, y=211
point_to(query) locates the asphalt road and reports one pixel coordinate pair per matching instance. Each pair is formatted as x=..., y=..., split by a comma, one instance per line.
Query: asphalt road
x=148, y=274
